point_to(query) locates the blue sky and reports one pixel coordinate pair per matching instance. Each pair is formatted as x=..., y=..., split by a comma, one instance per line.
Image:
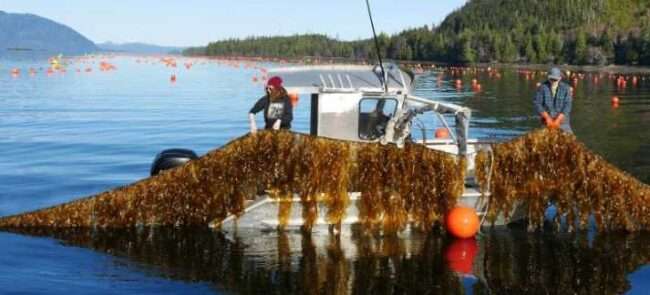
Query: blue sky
x=196, y=22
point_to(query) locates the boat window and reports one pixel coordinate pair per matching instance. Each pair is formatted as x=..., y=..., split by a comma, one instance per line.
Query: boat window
x=374, y=114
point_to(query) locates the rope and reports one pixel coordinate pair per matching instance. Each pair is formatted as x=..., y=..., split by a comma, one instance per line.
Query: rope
x=487, y=185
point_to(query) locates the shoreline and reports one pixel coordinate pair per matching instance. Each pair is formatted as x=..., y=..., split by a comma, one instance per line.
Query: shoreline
x=608, y=69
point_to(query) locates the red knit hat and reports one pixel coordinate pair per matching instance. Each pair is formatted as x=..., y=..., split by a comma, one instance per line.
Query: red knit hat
x=275, y=81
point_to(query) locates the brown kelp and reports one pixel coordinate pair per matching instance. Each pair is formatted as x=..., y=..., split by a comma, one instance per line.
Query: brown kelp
x=415, y=183
x=552, y=166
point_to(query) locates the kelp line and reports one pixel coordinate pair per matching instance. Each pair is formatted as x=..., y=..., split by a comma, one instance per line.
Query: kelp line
x=397, y=186
x=413, y=185
x=550, y=166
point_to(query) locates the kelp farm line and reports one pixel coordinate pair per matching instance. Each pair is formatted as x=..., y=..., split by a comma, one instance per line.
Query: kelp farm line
x=510, y=262
x=552, y=166
x=398, y=186
x=395, y=183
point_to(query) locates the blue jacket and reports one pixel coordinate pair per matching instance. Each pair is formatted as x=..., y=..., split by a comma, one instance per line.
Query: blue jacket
x=561, y=103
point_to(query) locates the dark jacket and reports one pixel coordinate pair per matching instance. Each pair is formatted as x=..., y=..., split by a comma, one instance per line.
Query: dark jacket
x=282, y=110
x=561, y=103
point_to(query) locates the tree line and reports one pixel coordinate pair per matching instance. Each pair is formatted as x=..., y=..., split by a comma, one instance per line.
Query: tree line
x=581, y=32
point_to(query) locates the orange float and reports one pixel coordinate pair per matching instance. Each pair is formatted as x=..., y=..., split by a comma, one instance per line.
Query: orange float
x=462, y=222
x=293, y=98
x=442, y=133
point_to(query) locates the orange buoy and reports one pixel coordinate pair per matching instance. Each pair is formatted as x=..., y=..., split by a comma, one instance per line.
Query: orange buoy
x=442, y=133
x=615, y=100
x=462, y=222
x=293, y=98
x=460, y=255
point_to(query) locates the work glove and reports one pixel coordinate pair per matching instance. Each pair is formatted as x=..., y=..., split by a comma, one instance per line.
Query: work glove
x=251, y=120
x=276, y=125
x=558, y=121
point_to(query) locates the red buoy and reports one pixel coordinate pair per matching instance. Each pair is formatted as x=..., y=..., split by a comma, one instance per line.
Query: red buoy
x=460, y=255
x=172, y=78
x=462, y=222
x=615, y=100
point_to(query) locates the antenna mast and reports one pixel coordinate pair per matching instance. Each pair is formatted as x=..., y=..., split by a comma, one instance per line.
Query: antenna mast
x=381, y=63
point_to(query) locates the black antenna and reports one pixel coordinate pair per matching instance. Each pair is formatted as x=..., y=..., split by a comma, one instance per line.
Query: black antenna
x=381, y=63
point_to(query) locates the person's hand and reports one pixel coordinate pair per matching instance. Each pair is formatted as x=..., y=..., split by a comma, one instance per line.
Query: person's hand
x=276, y=125
x=558, y=121
x=553, y=125
x=251, y=120
x=546, y=119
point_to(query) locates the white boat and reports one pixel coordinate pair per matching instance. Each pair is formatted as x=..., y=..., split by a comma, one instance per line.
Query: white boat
x=358, y=103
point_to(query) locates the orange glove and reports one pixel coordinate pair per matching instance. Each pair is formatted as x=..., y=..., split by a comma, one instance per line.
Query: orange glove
x=546, y=119
x=558, y=120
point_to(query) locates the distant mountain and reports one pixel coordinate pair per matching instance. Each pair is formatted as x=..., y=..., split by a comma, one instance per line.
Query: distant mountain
x=138, y=48
x=32, y=32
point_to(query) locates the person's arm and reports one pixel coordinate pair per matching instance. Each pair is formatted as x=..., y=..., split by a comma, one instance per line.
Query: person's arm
x=251, y=121
x=259, y=105
x=287, y=115
x=566, y=109
x=539, y=107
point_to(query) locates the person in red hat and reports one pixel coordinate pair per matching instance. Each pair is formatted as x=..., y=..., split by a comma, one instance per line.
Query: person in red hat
x=276, y=104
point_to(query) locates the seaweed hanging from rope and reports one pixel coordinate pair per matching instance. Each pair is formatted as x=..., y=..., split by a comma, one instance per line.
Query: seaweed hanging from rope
x=414, y=184
x=551, y=166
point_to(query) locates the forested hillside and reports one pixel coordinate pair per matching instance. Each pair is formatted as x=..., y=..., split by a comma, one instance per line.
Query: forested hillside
x=512, y=31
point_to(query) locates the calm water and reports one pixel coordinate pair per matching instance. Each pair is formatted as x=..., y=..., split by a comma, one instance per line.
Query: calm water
x=69, y=135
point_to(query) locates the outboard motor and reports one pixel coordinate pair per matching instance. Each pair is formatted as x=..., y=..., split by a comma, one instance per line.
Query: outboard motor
x=171, y=158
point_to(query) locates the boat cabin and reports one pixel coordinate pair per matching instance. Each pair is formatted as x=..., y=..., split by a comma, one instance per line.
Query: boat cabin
x=356, y=103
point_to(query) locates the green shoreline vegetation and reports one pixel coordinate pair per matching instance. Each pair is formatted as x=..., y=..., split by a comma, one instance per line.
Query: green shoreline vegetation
x=577, y=32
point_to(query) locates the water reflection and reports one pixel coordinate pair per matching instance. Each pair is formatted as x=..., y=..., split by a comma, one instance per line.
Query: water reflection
x=359, y=262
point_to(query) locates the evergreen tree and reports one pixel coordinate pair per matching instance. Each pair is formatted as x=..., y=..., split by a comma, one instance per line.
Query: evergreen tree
x=467, y=53
x=529, y=51
x=580, y=51
x=509, y=50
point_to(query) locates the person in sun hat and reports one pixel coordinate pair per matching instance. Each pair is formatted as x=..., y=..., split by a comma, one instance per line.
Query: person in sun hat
x=553, y=102
x=276, y=104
